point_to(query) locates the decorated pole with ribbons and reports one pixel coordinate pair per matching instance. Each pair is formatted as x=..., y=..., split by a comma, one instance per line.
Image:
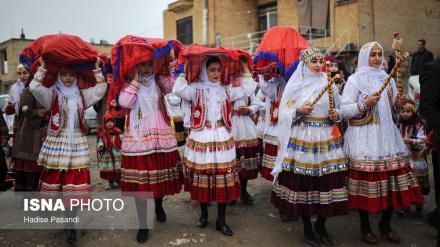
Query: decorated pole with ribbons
x=330, y=90
x=398, y=63
x=397, y=41
x=326, y=88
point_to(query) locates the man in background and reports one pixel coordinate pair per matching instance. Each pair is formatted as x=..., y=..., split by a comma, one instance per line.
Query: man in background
x=420, y=57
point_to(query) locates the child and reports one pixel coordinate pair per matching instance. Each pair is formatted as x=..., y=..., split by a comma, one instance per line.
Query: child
x=412, y=130
x=65, y=152
x=210, y=152
x=109, y=150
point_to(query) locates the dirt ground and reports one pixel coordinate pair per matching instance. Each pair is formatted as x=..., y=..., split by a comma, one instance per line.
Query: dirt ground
x=252, y=225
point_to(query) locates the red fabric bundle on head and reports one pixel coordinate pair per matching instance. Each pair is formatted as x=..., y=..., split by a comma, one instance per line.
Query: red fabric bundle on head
x=131, y=50
x=63, y=51
x=280, y=45
x=230, y=59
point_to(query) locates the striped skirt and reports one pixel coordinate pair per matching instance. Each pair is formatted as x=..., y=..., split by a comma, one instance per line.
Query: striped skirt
x=210, y=166
x=377, y=191
x=270, y=153
x=160, y=173
x=304, y=195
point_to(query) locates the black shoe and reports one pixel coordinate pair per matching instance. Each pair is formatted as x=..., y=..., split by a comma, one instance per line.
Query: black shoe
x=293, y=218
x=70, y=235
x=312, y=242
x=203, y=222
x=247, y=199
x=142, y=235
x=161, y=217
x=224, y=229
x=432, y=221
x=232, y=203
x=323, y=236
x=284, y=217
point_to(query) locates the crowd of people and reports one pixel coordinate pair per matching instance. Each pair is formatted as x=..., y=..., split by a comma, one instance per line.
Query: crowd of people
x=282, y=127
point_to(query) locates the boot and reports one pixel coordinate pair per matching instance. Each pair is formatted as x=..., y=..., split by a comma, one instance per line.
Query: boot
x=161, y=217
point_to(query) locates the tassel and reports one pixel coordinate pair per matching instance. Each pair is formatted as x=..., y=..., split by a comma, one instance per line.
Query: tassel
x=303, y=125
x=335, y=131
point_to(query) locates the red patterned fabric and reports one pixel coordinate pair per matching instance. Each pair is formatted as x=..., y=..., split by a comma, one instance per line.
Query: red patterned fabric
x=158, y=172
x=70, y=181
x=116, y=175
x=327, y=185
x=231, y=66
x=272, y=151
x=396, y=189
x=63, y=50
x=131, y=50
x=280, y=44
x=248, y=160
x=206, y=188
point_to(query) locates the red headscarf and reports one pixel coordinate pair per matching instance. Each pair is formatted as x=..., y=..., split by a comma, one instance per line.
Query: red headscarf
x=106, y=134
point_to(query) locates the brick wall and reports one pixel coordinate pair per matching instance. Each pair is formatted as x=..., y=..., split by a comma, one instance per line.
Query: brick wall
x=354, y=21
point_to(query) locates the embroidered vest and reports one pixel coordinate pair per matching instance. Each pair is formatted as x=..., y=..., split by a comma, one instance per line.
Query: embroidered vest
x=57, y=116
x=275, y=107
x=160, y=101
x=367, y=116
x=198, y=113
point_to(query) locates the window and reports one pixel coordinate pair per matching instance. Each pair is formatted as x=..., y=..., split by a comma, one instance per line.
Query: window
x=267, y=17
x=184, y=29
x=314, y=18
x=4, y=62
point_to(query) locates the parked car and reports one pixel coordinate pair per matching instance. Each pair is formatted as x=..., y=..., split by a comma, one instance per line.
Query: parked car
x=414, y=89
x=9, y=122
x=90, y=119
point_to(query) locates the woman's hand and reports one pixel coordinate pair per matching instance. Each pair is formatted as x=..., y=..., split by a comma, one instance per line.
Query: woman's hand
x=113, y=103
x=425, y=151
x=245, y=65
x=98, y=62
x=244, y=110
x=135, y=74
x=407, y=140
x=306, y=109
x=333, y=114
x=42, y=62
x=372, y=100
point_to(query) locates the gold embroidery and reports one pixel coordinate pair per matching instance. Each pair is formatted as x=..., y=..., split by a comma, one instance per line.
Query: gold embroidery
x=376, y=46
x=290, y=103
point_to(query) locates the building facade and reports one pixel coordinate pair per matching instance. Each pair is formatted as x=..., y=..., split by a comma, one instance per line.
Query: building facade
x=339, y=27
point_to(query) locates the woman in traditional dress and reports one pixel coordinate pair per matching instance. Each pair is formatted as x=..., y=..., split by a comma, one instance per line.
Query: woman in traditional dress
x=65, y=153
x=310, y=167
x=209, y=156
x=380, y=177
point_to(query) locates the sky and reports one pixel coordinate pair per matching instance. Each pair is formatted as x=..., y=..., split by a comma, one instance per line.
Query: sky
x=98, y=19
